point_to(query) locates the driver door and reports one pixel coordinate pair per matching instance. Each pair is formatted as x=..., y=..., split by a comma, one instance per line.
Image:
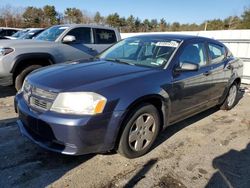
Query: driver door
x=191, y=89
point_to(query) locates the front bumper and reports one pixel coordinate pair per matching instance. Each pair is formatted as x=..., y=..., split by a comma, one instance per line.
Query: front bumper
x=68, y=134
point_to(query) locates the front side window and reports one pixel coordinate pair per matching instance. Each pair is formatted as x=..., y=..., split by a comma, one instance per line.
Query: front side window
x=216, y=53
x=82, y=34
x=194, y=53
x=142, y=51
x=105, y=36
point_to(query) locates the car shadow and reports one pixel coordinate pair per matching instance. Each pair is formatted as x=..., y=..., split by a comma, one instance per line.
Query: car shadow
x=233, y=169
x=141, y=173
x=24, y=164
x=7, y=91
x=175, y=128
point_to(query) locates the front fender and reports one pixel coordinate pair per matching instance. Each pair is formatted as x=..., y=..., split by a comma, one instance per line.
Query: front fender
x=23, y=57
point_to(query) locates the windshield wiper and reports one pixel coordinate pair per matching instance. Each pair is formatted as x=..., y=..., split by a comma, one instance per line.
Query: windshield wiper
x=119, y=61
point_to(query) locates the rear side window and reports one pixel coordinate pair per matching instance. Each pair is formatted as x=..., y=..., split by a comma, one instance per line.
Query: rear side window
x=105, y=36
x=82, y=34
x=194, y=53
x=216, y=53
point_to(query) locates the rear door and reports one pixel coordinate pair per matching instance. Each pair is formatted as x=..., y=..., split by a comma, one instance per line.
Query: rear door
x=103, y=38
x=191, y=89
x=218, y=69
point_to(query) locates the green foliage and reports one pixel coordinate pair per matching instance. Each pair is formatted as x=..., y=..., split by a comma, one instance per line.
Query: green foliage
x=50, y=15
x=73, y=15
x=33, y=17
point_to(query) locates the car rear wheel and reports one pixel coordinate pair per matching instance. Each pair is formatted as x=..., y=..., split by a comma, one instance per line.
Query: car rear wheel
x=22, y=74
x=140, y=132
x=231, y=99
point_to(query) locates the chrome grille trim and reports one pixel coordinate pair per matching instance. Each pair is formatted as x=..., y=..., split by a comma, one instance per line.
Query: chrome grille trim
x=38, y=98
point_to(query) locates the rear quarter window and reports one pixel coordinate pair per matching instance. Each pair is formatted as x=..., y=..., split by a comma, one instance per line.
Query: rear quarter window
x=105, y=36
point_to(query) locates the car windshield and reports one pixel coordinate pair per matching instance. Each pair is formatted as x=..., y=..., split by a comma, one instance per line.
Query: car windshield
x=29, y=34
x=51, y=34
x=141, y=51
x=19, y=33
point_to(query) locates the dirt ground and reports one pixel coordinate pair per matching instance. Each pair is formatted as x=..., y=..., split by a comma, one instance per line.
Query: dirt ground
x=211, y=149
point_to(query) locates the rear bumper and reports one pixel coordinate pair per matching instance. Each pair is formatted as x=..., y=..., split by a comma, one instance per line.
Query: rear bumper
x=71, y=135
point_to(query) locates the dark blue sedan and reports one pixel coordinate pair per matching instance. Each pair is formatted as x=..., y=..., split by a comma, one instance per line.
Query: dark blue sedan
x=123, y=98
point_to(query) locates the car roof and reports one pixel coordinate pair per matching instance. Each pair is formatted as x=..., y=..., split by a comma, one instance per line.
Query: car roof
x=86, y=25
x=179, y=37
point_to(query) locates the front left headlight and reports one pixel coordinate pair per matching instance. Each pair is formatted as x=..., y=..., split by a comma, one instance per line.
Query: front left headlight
x=5, y=51
x=79, y=103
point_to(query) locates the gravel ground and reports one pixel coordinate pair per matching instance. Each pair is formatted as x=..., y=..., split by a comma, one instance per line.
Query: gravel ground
x=211, y=149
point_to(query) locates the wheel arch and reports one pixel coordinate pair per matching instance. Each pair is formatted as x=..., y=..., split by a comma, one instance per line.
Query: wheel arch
x=161, y=103
x=24, y=60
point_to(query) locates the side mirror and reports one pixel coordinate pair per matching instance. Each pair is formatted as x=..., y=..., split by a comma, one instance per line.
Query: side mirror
x=69, y=39
x=187, y=66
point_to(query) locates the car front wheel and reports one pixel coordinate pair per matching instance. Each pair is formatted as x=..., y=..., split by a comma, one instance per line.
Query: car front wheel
x=140, y=131
x=22, y=74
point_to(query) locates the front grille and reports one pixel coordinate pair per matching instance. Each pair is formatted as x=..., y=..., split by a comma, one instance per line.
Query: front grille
x=38, y=98
x=39, y=103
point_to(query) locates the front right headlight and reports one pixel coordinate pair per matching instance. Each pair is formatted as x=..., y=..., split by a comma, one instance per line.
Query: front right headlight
x=5, y=51
x=79, y=103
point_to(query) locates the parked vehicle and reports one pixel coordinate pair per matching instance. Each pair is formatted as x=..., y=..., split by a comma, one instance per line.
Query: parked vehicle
x=56, y=44
x=27, y=33
x=17, y=34
x=125, y=97
x=7, y=31
x=32, y=33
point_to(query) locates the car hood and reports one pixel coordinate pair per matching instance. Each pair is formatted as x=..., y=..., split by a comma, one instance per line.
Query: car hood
x=22, y=43
x=66, y=77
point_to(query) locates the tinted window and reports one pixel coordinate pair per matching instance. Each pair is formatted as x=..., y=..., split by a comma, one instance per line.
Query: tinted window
x=216, y=53
x=104, y=36
x=194, y=53
x=10, y=32
x=82, y=34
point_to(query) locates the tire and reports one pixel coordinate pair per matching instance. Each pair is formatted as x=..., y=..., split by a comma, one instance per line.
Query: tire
x=22, y=74
x=141, y=129
x=231, y=98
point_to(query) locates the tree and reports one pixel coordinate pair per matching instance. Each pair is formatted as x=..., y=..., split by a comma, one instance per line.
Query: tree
x=98, y=18
x=73, y=15
x=130, y=22
x=114, y=20
x=33, y=17
x=232, y=22
x=147, y=25
x=154, y=24
x=175, y=26
x=50, y=15
x=163, y=25
x=246, y=19
x=216, y=24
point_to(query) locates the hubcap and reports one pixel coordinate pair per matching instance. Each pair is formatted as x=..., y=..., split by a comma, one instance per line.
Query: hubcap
x=142, y=132
x=232, y=95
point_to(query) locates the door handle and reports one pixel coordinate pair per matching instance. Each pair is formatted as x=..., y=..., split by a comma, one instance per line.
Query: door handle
x=207, y=73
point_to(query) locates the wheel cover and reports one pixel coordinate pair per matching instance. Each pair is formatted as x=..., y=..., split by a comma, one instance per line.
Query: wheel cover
x=142, y=132
x=232, y=95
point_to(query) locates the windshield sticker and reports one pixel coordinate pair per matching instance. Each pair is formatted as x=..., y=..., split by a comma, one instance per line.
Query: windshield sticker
x=63, y=27
x=173, y=44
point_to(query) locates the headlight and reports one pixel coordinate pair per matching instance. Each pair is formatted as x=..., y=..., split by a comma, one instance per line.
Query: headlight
x=5, y=51
x=80, y=103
